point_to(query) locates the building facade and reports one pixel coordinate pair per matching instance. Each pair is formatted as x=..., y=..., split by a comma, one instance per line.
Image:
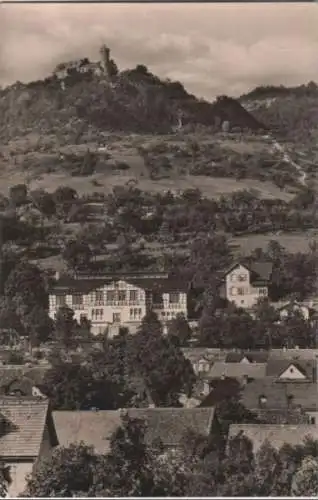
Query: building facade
x=244, y=285
x=114, y=301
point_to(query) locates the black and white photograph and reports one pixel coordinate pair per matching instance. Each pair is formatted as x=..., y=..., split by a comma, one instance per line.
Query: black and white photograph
x=158, y=249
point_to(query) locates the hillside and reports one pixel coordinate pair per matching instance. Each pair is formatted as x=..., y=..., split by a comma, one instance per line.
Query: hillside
x=92, y=125
x=134, y=101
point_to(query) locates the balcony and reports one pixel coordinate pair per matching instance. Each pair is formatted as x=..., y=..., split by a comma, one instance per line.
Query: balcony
x=168, y=306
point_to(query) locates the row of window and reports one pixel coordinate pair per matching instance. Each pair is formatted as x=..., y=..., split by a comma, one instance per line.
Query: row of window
x=245, y=291
x=239, y=277
x=112, y=296
x=134, y=313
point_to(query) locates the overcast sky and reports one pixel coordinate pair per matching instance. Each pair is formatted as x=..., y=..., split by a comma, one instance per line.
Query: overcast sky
x=211, y=48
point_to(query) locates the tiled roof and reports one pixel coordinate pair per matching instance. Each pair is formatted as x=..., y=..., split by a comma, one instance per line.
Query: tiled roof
x=276, y=367
x=237, y=370
x=293, y=354
x=304, y=394
x=95, y=428
x=28, y=417
x=283, y=416
x=171, y=424
x=220, y=390
x=194, y=354
x=277, y=435
x=252, y=356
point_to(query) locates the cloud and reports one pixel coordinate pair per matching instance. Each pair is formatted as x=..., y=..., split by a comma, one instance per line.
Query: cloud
x=211, y=48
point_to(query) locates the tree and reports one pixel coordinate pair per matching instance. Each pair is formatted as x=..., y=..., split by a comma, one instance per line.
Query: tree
x=65, y=327
x=179, y=331
x=305, y=481
x=160, y=363
x=26, y=288
x=68, y=472
x=131, y=468
x=77, y=254
x=38, y=325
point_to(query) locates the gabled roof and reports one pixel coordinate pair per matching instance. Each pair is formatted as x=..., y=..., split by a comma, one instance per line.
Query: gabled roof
x=27, y=418
x=260, y=271
x=280, y=395
x=237, y=370
x=252, y=356
x=95, y=428
x=276, y=435
x=277, y=367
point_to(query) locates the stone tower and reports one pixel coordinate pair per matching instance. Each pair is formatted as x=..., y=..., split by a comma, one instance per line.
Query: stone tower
x=105, y=58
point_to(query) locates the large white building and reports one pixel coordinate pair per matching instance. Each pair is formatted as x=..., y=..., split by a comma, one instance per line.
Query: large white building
x=119, y=300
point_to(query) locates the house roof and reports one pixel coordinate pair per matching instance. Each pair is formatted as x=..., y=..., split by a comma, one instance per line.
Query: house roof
x=281, y=416
x=293, y=354
x=95, y=428
x=252, y=356
x=28, y=417
x=277, y=435
x=260, y=271
x=86, y=285
x=237, y=370
x=195, y=354
x=276, y=367
x=277, y=394
x=221, y=389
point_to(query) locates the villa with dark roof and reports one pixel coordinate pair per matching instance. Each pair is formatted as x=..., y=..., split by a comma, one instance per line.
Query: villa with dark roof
x=244, y=284
x=119, y=300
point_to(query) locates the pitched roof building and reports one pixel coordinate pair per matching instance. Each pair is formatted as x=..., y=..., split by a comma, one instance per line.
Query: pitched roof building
x=95, y=428
x=119, y=300
x=28, y=437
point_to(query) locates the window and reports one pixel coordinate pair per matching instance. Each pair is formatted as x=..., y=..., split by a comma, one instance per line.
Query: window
x=111, y=295
x=233, y=277
x=262, y=291
x=233, y=290
x=97, y=314
x=174, y=298
x=77, y=300
x=313, y=420
x=116, y=318
x=242, y=277
x=133, y=295
x=83, y=317
x=60, y=300
x=240, y=291
x=99, y=297
x=121, y=295
x=135, y=313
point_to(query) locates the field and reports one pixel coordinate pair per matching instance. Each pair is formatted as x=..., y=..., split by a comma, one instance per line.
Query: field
x=293, y=242
x=38, y=151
